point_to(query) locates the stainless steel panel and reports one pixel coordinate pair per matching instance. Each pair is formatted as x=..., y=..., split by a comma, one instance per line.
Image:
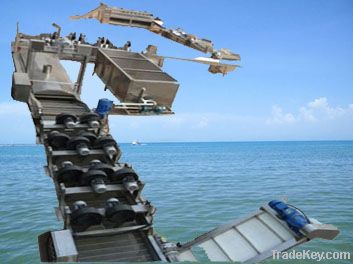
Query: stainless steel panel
x=250, y=238
x=53, y=81
x=235, y=246
x=187, y=256
x=126, y=73
x=261, y=237
x=213, y=251
x=64, y=245
x=21, y=86
x=280, y=230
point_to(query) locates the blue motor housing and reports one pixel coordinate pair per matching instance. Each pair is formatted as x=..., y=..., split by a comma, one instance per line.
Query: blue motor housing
x=293, y=217
x=103, y=107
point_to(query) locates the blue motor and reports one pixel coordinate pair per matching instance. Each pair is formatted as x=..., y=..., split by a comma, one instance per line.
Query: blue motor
x=103, y=107
x=295, y=219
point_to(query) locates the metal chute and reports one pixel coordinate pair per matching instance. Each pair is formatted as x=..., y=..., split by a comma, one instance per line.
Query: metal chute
x=253, y=238
x=123, y=17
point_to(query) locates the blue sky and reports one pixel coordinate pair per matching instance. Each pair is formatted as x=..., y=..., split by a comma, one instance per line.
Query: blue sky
x=296, y=80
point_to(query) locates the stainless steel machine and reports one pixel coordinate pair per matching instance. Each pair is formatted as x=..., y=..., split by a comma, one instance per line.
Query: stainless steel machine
x=99, y=198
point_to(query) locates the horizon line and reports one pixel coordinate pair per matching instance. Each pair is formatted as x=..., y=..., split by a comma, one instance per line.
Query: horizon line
x=211, y=141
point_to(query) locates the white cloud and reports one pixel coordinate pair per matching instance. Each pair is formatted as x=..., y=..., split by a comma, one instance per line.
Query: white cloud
x=320, y=109
x=318, y=103
x=317, y=119
x=315, y=111
x=203, y=122
x=306, y=114
x=278, y=117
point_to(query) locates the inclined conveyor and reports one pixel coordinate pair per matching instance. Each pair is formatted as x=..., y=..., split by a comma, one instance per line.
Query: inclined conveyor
x=99, y=198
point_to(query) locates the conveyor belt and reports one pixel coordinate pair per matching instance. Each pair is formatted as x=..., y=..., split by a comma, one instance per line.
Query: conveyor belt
x=131, y=246
x=51, y=107
x=42, y=82
x=123, y=247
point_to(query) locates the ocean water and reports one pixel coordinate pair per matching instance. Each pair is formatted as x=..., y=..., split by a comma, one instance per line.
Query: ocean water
x=195, y=187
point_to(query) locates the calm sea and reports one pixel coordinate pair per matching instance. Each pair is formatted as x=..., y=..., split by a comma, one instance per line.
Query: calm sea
x=195, y=187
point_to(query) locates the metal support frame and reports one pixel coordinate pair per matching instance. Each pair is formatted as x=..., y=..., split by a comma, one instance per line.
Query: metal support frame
x=44, y=105
x=81, y=74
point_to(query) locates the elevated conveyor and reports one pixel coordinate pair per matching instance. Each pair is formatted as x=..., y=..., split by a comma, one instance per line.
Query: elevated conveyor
x=42, y=82
x=99, y=198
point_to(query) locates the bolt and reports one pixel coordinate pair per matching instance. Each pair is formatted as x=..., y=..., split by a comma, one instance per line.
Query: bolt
x=69, y=123
x=130, y=184
x=112, y=201
x=98, y=185
x=66, y=163
x=82, y=149
x=79, y=205
x=110, y=150
x=94, y=124
x=95, y=162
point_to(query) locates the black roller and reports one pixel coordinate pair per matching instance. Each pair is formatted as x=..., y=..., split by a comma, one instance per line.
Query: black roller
x=96, y=179
x=73, y=142
x=80, y=144
x=91, y=136
x=105, y=141
x=66, y=119
x=84, y=217
x=121, y=174
x=57, y=140
x=93, y=174
x=71, y=173
x=90, y=118
x=108, y=144
x=120, y=213
x=103, y=167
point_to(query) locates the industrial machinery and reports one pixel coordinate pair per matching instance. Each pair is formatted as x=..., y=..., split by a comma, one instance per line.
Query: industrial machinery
x=99, y=198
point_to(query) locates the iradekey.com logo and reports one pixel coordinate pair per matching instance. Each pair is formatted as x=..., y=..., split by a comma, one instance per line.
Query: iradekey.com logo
x=311, y=255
